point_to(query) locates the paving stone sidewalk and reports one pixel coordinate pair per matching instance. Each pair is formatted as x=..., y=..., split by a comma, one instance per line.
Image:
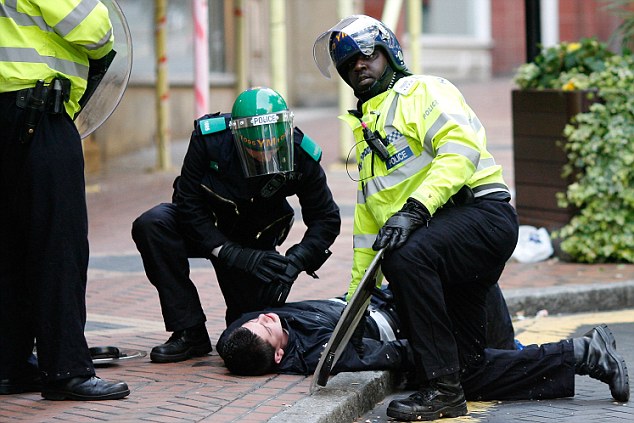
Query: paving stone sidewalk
x=123, y=308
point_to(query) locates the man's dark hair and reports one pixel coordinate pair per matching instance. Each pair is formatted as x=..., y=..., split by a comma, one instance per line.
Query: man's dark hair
x=246, y=354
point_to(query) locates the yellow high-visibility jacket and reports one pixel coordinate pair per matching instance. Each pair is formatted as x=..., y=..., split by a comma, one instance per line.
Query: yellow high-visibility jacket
x=44, y=39
x=436, y=146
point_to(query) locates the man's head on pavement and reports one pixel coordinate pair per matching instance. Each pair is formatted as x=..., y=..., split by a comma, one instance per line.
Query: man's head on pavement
x=262, y=128
x=256, y=347
x=353, y=45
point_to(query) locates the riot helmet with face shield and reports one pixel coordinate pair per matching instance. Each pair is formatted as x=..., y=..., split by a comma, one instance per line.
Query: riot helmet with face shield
x=357, y=34
x=262, y=128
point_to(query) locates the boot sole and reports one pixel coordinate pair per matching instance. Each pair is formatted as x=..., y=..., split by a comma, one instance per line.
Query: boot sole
x=174, y=358
x=449, y=411
x=620, y=393
x=64, y=395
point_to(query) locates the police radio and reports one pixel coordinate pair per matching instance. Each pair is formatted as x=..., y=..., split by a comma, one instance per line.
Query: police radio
x=374, y=139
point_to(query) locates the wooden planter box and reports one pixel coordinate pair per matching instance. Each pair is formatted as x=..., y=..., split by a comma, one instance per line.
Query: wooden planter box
x=539, y=118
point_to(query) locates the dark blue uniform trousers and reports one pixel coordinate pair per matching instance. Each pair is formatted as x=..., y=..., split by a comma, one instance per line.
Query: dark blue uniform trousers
x=43, y=247
x=166, y=253
x=441, y=278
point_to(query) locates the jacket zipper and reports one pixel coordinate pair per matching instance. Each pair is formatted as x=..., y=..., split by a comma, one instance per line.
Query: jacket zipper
x=259, y=234
x=235, y=206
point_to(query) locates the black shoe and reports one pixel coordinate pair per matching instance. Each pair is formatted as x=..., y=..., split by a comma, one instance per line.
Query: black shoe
x=443, y=397
x=596, y=356
x=19, y=385
x=82, y=389
x=183, y=344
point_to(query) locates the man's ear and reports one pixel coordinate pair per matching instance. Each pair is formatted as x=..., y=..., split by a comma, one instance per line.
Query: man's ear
x=278, y=355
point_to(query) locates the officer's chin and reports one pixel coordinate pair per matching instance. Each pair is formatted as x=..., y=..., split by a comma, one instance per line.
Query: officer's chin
x=364, y=86
x=364, y=93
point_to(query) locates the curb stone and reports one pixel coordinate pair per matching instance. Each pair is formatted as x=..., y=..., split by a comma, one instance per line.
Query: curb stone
x=343, y=399
x=571, y=298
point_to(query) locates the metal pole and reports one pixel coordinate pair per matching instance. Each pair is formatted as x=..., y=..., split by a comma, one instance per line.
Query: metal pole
x=278, y=48
x=241, y=58
x=391, y=13
x=346, y=98
x=533, y=29
x=414, y=27
x=162, y=86
x=200, y=12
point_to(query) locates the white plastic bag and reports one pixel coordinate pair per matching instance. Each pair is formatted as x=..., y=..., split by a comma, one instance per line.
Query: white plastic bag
x=533, y=245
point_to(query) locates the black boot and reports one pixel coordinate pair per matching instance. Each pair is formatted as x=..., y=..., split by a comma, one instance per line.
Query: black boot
x=85, y=389
x=183, y=344
x=21, y=384
x=595, y=355
x=443, y=397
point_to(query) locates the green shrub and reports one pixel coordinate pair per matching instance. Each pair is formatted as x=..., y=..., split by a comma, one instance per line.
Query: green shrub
x=600, y=149
x=564, y=66
x=599, y=145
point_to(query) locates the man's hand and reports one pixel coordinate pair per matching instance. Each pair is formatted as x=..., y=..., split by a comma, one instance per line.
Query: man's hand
x=398, y=227
x=264, y=265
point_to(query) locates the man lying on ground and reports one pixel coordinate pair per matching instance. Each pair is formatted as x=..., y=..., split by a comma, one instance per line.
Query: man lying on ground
x=290, y=339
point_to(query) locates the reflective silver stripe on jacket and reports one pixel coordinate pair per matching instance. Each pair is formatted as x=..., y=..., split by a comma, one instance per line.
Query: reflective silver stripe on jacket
x=379, y=183
x=76, y=17
x=462, y=150
x=484, y=163
x=363, y=241
x=30, y=55
x=486, y=189
x=63, y=28
x=22, y=19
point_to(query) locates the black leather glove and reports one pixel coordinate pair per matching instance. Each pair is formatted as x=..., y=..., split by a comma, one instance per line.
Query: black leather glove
x=276, y=293
x=264, y=265
x=398, y=227
x=357, y=336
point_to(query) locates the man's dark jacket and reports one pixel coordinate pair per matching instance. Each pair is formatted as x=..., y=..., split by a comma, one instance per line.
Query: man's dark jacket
x=310, y=324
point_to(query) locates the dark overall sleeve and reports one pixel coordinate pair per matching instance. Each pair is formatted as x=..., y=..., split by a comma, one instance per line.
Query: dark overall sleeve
x=197, y=221
x=320, y=213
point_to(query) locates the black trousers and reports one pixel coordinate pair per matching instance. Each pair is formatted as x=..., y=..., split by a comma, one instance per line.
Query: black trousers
x=165, y=253
x=441, y=279
x=43, y=247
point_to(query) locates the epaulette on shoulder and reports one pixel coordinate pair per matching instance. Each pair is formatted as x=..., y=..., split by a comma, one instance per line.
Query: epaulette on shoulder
x=311, y=148
x=405, y=86
x=211, y=124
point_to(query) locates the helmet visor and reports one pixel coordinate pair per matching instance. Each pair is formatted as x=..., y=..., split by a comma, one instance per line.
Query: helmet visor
x=352, y=35
x=264, y=143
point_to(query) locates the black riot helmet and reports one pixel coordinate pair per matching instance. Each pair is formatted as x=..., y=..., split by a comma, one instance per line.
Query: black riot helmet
x=358, y=34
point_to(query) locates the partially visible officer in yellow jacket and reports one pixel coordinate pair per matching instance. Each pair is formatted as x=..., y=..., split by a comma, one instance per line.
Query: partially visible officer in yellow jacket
x=431, y=195
x=46, y=49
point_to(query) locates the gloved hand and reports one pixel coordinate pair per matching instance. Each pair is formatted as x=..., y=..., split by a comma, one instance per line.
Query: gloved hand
x=398, y=227
x=357, y=336
x=276, y=293
x=264, y=265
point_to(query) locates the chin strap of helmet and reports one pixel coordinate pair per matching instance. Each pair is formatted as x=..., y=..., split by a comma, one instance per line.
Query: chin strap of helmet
x=378, y=86
x=384, y=83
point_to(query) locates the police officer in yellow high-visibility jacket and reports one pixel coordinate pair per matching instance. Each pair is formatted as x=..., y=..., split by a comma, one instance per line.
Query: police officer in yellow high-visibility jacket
x=46, y=48
x=432, y=196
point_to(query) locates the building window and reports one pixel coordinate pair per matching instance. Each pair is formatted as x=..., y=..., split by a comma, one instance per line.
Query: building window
x=180, y=38
x=457, y=18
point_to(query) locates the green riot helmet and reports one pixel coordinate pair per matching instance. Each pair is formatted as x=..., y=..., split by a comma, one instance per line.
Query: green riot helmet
x=262, y=128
